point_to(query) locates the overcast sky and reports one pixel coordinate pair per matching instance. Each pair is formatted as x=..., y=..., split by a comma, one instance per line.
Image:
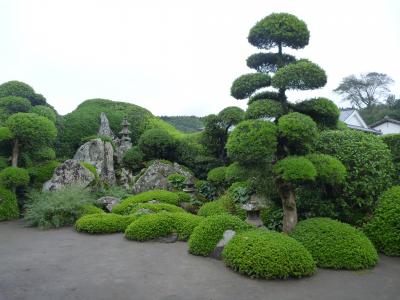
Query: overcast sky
x=180, y=57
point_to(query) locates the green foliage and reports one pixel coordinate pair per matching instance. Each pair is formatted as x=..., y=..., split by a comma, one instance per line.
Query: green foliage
x=266, y=254
x=133, y=159
x=211, y=208
x=20, y=89
x=57, y=208
x=149, y=227
x=209, y=232
x=155, y=208
x=113, y=191
x=157, y=143
x=264, y=108
x=92, y=170
x=3, y=162
x=206, y=189
x=11, y=105
x=214, y=137
x=187, y=124
x=125, y=206
x=235, y=172
x=369, y=171
x=268, y=62
x=244, y=86
x=393, y=143
x=43, y=154
x=183, y=197
x=301, y=75
x=184, y=224
x=40, y=173
x=335, y=245
x=329, y=169
x=232, y=205
x=230, y=116
x=90, y=209
x=103, y=138
x=252, y=141
x=281, y=29
x=5, y=134
x=272, y=216
x=323, y=111
x=8, y=205
x=177, y=180
x=217, y=176
x=383, y=229
x=264, y=95
x=298, y=132
x=103, y=223
x=295, y=169
x=11, y=177
x=44, y=111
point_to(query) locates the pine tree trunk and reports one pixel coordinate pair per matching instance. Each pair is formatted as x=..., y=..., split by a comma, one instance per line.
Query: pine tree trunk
x=288, y=197
x=15, y=153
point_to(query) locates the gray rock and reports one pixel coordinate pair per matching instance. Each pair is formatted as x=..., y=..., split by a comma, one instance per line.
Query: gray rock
x=71, y=172
x=125, y=179
x=101, y=155
x=108, y=202
x=143, y=211
x=105, y=129
x=172, y=238
x=227, y=236
x=156, y=176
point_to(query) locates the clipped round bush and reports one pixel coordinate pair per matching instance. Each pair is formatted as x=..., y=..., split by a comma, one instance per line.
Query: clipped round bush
x=103, y=223
x=21, y=89
x=268, y=62
x=323, y=111
x=264, y=108
x=295, y=169
x=8, y=205
x=252, y=141
x=298, y=130
x=335, y=245
x=217, y=176
x=14, y=177
x=157, y=143
x=264, y=95
x=329, y=169
x=185, y=223
x=155, y=208
x=90, y=209
x=133, y=159
x=244, y=86
x=211, y=208
x=267, y=254
x=126, y=205
x=230, y=115
x=383, y=229
x=209, y=232
x=149, y=227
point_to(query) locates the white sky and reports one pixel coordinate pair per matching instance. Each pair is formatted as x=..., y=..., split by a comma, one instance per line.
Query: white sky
x=180, y=57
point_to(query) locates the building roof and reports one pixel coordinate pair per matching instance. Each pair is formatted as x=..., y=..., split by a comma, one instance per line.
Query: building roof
x=384, y=120
x=371, y=130
x=345, y=113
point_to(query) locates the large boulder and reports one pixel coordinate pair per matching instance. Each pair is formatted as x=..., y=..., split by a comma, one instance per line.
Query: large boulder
x=71, y=172
x=156, y=176
x=100, y=154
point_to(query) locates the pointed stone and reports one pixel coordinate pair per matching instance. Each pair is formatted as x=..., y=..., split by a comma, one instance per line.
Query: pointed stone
x=105, y=129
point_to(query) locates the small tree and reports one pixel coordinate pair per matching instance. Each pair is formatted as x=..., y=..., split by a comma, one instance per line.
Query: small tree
x=365, y=90
x=284, y=142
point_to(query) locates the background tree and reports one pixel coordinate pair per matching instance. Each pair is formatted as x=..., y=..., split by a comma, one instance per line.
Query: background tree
x=291, y=133
x=365, y=90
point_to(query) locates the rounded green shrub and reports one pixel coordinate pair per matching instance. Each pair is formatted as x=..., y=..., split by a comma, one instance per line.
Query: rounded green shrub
x=244, y=86
x=295, y=169
x=149, y=227
x=8, y=205
x=12, y=104
x=185, y=223
x=183, y=197
x=267, y=254
x=209, y=232
x=384, y=227
x=90, y=209
x=235, y=172
x=14, y=177
x=264, y=95
x=162, y=196
x=44, y=154
x=133, y=159
x=40, y=173
x=268, y=62
x=155, y=208
x=44, y=111
x=103, y=223
x=230, y=115
x=393, y=143
x=217, y=176
x=329, y=169
x=157, y=143
x=261, y=135
x=21, y=89
x=335, y=245
x=211, y=208
x=323, y=111
x=264, y=108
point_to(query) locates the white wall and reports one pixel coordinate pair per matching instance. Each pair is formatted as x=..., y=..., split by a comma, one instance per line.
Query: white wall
x=388, y=128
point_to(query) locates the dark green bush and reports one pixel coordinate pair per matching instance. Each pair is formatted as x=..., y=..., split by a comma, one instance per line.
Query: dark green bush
x=185, y=223
x=235, y=172
x=232, y=206
x=383, y=229
x=57, y=208
x=209, y=232
x=11, y=105
x=149, y=227
x=393, y=143
x=217, y=176
x=177, y=180
x=44, y=111
x=90, y=209
x=133, y=159
x=268, y=62
x=155, y=208
x=264, y=108
x=40, y=173
x=206, y=190
x=8, y=205
x=369, y=171
x=272, y=216
x=43, y=154
x=20, y=89
x=323, y=111
x=157, y=143
x=183, y=197
x=264, y=95
x=3, y=162
x=103, y=223
x=329, y=169
x=244, y=86
x=14, y=177
x=211, y=208
x=267, y=254
x=129, y=203
x=295, y=169
x=335, y=245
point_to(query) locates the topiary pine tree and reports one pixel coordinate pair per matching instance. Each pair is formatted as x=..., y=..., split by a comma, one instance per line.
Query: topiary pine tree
x=286, y=140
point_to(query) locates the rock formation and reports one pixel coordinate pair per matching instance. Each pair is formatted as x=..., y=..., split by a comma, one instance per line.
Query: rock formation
x=105, y=129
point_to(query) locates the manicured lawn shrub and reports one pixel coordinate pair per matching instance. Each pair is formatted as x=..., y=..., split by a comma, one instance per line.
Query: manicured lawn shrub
x=211, y=208
x=149, y=227
x=8, y=205
x=335, y=245
x=267, y=254
x=384, y=227
x=217, y=176
x=89, y=209
x=185, y=223
x=208, y=233
x=103, y=223
x=57, y=208
x=156, y=207
x=127, y=204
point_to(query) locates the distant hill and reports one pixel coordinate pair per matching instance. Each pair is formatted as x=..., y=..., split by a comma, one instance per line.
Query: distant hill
x=185, y=123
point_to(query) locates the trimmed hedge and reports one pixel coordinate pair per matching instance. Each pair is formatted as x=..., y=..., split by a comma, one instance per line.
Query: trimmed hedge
x=156, y=207
x=149, y=227
x=267, y=254
x=336, y=245
x=384, y=228
x=211, y=209
x=209, y=232
x=185, y=223
x=127, y=204
x=8, y=205
x=103, y=223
